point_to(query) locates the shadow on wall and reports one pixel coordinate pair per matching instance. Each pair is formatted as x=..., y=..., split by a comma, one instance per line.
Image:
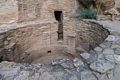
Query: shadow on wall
x=87, y=9
x=87, y=3
x=86, y=14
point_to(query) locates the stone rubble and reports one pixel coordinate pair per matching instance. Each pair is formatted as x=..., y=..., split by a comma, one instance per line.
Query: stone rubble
x=108, y=51
x=101, y=66
x=98, y=49
x=87, y=75
x=85, y=55
x=111, y=38
x=78, y=62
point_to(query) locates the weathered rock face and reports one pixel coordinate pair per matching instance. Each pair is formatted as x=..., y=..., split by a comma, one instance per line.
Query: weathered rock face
x=117, y=5
x=103, y=7
x=8, y=11
x=109, y=7
x=105, y=4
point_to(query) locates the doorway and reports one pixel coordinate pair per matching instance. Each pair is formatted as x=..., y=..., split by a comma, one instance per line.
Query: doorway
x=59, y=17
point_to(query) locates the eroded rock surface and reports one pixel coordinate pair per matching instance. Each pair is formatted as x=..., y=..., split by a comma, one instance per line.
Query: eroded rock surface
x=8, y=11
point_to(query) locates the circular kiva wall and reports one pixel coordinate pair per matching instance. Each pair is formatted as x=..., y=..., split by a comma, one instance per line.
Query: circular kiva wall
x=39, y=43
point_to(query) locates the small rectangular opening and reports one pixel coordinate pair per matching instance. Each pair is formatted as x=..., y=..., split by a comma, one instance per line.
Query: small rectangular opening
x=49, y=51
x=59, y=17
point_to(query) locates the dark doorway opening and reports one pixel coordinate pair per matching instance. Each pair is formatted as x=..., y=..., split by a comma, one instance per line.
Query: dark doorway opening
x=59, y=18
x=49, y=51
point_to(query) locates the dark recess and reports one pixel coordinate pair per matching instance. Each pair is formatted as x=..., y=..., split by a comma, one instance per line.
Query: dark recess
x=59, y=17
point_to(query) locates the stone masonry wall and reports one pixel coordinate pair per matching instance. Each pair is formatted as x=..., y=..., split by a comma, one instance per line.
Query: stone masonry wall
x=8, y=11
x=44, y=9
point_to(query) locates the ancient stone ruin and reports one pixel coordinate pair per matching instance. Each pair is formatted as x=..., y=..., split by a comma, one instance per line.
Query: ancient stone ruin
x=46, y=30
x=46, y=10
